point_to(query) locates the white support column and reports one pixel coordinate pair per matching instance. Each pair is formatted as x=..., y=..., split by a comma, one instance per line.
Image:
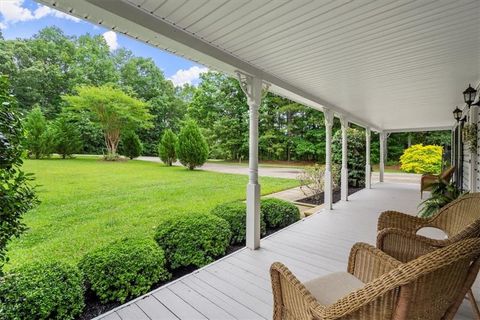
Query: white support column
x=328, y=192
x=382, y=155
x=344, y=172
x=368, y=168
x=252, y=87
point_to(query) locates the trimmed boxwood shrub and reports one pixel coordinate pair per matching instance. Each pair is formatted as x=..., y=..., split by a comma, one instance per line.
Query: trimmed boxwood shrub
x=124, y=269
x=235, y=213
x=195, y=239
x=42, y=291
x=279, y=213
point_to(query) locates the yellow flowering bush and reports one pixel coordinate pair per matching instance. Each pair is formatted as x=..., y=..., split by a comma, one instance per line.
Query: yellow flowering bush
x=422, y=159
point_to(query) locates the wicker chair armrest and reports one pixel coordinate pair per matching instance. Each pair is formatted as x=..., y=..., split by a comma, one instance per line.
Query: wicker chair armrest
x=367, y=262
x=400, y=220
x=290, y=294
x=406, y=246
x=404, y=274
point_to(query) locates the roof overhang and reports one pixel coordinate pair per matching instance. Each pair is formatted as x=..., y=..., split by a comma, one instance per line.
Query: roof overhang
x=388, y=65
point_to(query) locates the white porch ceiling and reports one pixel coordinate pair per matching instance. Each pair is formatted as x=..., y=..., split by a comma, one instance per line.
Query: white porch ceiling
x=388, y=64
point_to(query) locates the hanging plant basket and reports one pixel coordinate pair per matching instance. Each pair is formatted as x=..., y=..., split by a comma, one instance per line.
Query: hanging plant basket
x=470, y=136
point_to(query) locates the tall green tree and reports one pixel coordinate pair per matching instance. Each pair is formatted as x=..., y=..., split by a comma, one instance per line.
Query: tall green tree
x=220, y=108
x=39, y=137
x=43, y=69
x=67, y=138
x=130, y=145
x=142, y=77
x=94, y=64
x=16, y=194
x=192, y=148
x=114, y=110
x=167, y=147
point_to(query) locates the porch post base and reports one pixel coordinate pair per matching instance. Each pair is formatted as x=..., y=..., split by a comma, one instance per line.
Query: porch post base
x=253, y=216
x=368, y=177
x=328, y=190
x=344, y=184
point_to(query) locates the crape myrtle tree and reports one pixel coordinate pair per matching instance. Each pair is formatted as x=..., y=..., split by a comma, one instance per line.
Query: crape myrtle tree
x=113, y=109
x=192, y=148
x=16, y=194
x=167, y=147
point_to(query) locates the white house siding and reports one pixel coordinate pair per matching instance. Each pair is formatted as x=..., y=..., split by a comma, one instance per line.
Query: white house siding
x=466, y=167
x=472, y=163
x=477, y=164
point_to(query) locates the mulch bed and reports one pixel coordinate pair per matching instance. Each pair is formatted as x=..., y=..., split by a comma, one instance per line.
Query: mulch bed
x=319, y=198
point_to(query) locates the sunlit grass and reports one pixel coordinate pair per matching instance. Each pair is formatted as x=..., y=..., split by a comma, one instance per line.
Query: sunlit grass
x=88, y=202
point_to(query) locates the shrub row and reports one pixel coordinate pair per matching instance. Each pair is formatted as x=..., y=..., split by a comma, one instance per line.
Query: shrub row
x=274, y=213
x=41, y=291
x=128, y=268
x=121, y=270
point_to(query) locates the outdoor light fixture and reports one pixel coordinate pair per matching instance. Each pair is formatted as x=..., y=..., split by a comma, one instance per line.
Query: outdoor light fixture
x=469, y=95
x=457, y=114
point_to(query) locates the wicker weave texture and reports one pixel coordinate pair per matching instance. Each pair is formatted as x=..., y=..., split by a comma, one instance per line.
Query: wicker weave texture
x=430, y=287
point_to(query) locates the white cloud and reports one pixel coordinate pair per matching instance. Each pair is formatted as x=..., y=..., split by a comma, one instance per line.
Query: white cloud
x=13, y=11
x=2, y=26
x=111, y=39
x=182, y=76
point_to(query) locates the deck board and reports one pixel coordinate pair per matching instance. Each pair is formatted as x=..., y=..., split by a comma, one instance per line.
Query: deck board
x=238, y=286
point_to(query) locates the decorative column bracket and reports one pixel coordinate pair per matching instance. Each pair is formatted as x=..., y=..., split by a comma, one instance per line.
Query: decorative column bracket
x=344, y=171
x=328, y=158
x=255, y=90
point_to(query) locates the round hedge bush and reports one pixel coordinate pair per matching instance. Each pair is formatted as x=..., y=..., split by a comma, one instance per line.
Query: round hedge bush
x=124, y=269
x=235, y=213
x=279, y=213
x=422, y=159
x=194, y=239
x=42, y=291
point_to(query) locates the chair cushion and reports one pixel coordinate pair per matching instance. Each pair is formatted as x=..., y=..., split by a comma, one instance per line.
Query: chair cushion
x=432, y=233
x=330, y=288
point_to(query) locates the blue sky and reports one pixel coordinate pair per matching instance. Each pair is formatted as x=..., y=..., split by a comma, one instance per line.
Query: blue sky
x=24, y=18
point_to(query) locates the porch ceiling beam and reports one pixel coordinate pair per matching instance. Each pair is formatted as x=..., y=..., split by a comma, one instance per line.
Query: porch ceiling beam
x=144, y=26
x=419, y=129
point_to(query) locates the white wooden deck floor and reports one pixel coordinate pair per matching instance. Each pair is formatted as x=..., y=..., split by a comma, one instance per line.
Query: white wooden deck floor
x=238, y=286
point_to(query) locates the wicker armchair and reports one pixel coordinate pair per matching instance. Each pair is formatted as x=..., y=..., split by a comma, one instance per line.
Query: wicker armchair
x=428, y=180
x=460, y=219
x=397, y=232
x=379, y=287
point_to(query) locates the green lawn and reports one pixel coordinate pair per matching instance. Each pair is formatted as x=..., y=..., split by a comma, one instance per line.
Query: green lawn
x=87, y=202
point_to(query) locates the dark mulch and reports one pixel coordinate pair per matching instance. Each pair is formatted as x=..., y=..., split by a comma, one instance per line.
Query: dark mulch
x=318, y=199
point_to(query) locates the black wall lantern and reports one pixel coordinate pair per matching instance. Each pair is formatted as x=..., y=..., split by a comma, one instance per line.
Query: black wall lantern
x=457, y=114
x=469, y=95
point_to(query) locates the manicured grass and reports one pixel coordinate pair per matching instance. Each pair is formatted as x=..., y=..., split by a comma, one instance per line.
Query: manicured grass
x=87, y=203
